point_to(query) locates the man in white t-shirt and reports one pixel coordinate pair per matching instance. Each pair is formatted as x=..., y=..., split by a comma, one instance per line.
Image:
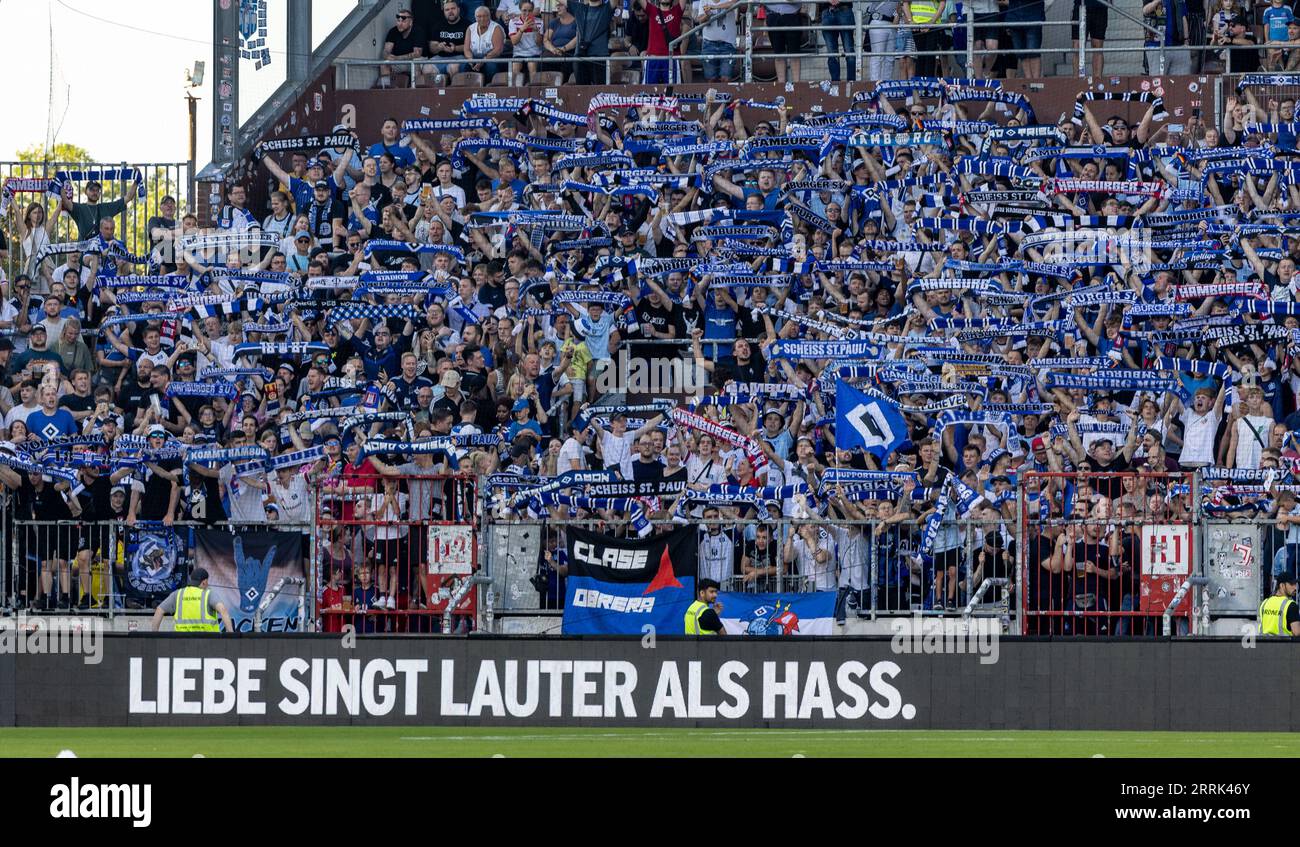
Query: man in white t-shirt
x=616, y=445
x=717, y=555
x=812, y=550
x=1200, y=423
x=572, y=452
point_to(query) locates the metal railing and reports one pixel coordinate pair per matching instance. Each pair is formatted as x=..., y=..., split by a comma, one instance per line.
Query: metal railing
x=419, y=71
x=96, y=567
x=159, y=180
x=877, y=566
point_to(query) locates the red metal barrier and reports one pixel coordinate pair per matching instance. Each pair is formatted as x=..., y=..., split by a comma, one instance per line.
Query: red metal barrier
x=1103, y=553
x=393, y=550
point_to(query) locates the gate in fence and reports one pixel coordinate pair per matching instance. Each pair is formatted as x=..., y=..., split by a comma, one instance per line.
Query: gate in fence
x=1106, y=553
x=396, y=554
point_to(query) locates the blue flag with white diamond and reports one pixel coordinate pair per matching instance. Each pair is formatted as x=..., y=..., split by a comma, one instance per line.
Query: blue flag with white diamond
x=866, y=421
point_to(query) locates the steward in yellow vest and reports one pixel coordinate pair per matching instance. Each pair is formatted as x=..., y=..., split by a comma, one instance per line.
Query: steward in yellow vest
x=1278, y=615
x=193, y=607
x=702, y=616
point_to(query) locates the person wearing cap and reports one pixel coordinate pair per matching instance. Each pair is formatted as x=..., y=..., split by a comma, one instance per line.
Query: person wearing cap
x=1278, y=614
x=522, y=419
x=452, y=395
x=32, y=360
x=193, y=608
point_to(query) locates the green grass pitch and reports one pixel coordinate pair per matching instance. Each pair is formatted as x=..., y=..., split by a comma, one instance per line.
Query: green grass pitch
x=602, y=742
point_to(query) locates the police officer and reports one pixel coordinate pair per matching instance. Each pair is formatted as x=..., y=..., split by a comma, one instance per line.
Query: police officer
x=1278, y=615
x=193, y=607
x=702, y=616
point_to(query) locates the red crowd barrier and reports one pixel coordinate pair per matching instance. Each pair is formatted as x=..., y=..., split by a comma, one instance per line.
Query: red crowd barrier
x=1104, y=553
x=393, y=550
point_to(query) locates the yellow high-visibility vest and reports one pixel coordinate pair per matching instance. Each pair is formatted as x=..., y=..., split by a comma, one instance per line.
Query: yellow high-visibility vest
x=192, y=611
x=926, y=11
x=1272, y=615
x=693, y=613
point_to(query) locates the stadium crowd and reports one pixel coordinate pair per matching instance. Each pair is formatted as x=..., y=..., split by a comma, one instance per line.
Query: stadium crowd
x=907, y=312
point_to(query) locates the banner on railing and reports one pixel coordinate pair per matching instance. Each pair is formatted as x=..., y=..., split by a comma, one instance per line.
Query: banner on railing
x=153, y=557
x=778, y=614
x=242, y=566
x=618, y=586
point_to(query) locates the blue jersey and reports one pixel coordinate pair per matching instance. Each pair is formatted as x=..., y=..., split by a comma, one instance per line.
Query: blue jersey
x=404, y=156
x=49, y=427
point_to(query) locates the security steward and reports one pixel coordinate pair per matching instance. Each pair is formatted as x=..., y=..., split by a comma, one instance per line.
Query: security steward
x=1279, y=615
x=703, y=616
x=193, y=607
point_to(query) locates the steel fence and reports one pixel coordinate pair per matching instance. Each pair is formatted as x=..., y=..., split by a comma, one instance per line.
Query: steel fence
x=397, y=554
x=87, y=566
x=1106, y=553
x=158, y=180
x=877, y=567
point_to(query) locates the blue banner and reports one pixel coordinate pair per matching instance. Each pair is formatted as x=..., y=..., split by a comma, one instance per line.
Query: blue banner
x=617, y=586
x=243, y=566
x=778, y=614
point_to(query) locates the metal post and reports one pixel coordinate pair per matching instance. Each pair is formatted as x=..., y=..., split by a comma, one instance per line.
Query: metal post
x=870, y=536
x=298, y=40
x=313, y=578
x=225, y=82
x=194, y=146
x=1083, y=40
x=1021, y=560
x=857, y=43
x=749, y=43
x=970, y=41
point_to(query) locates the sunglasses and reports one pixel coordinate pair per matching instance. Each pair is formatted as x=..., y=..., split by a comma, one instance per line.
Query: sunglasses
x=403, y=17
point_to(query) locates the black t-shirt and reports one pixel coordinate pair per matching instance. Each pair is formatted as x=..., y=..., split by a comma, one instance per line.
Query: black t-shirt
x=760, y=559
x=133, y=399
x=1041, y=582
x=453, y=33
x=472, y=382
x=650, y=315
x=96, y=500
x=751, y=371
x=1130, y=581
x=651, y=471
x=46, y=504
x=1110, y=487
x=1243, y=58
x=157, y=492
x=404, y=44
x=75, y=403
x=1088, y=583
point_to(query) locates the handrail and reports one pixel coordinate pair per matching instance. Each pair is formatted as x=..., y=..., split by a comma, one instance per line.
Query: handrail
x=269, y=597
x=1167, y=618
x=989, y=582
x=478, y=578
x=745, y=50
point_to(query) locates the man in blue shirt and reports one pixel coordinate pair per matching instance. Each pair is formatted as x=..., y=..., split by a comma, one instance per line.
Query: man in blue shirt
x=49, y=421
x=382, y=353
x=391, y=143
